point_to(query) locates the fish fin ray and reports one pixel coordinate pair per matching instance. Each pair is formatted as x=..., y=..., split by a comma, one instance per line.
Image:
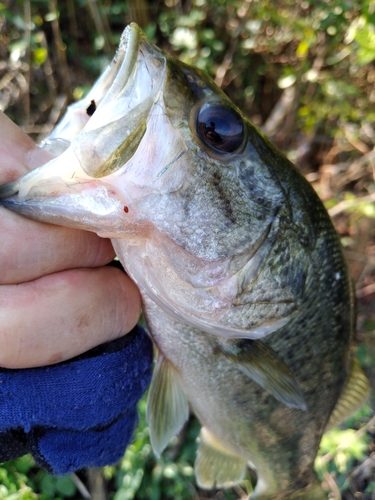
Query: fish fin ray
x=263, y=365
x=352, y=397
x=215, y=465
x=167, y=405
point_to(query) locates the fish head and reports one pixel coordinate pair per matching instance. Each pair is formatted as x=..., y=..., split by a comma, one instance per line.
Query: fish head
x=204, y=213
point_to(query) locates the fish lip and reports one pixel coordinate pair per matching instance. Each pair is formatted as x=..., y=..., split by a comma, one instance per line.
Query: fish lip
x=127, y=52
x=129, y=43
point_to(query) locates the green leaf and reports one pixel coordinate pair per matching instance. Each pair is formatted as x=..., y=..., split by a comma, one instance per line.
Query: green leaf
x=302, y=49
x=344, y=446
x=65, y=486
x=39, y=55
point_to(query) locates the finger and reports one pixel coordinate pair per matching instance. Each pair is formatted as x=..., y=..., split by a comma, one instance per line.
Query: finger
x=31, y=249
x=18, y=153
x=64, y=314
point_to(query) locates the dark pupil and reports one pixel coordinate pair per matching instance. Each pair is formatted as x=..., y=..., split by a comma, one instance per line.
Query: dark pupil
x=220, y=127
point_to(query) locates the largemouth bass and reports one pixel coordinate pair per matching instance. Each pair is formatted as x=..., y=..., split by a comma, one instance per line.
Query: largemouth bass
x=245, y=290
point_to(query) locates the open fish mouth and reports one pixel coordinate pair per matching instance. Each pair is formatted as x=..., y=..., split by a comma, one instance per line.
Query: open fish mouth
x=95, y=146
x=110, y=83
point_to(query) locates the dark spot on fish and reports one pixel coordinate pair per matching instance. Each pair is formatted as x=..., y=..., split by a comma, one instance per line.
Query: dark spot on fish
x=303, y=481
x=92, y=108
x=223, y=197
x=254, y=186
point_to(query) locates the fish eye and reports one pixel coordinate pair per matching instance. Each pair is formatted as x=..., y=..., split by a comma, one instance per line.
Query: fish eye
x=220, y=127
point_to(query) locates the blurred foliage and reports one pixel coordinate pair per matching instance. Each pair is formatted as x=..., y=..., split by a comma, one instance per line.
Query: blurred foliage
x=302, y=70
x=22, y=480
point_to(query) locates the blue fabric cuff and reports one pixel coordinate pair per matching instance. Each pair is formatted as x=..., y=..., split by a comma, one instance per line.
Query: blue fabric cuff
x=78, y=413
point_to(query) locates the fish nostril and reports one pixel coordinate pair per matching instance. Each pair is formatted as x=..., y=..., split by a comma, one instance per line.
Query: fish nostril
x=156, y=62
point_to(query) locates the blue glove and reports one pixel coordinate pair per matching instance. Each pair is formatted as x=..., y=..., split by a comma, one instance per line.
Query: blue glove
x=79, y=413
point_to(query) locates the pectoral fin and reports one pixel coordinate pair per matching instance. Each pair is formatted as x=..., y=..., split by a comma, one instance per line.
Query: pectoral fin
x=215, y=465
x=263, y=365
x=353, y=396
x=167, y=406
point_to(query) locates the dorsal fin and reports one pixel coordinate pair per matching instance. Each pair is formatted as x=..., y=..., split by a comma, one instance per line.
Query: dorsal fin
x=266, y=368
x=215, y=465
x=167, y=405
x=353, y=396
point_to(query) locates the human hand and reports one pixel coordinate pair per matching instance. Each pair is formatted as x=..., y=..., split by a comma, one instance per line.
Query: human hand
x=58, y=300
x=57, y=297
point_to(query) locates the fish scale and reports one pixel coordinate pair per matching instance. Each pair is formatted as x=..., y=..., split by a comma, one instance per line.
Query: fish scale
x=245, y=289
